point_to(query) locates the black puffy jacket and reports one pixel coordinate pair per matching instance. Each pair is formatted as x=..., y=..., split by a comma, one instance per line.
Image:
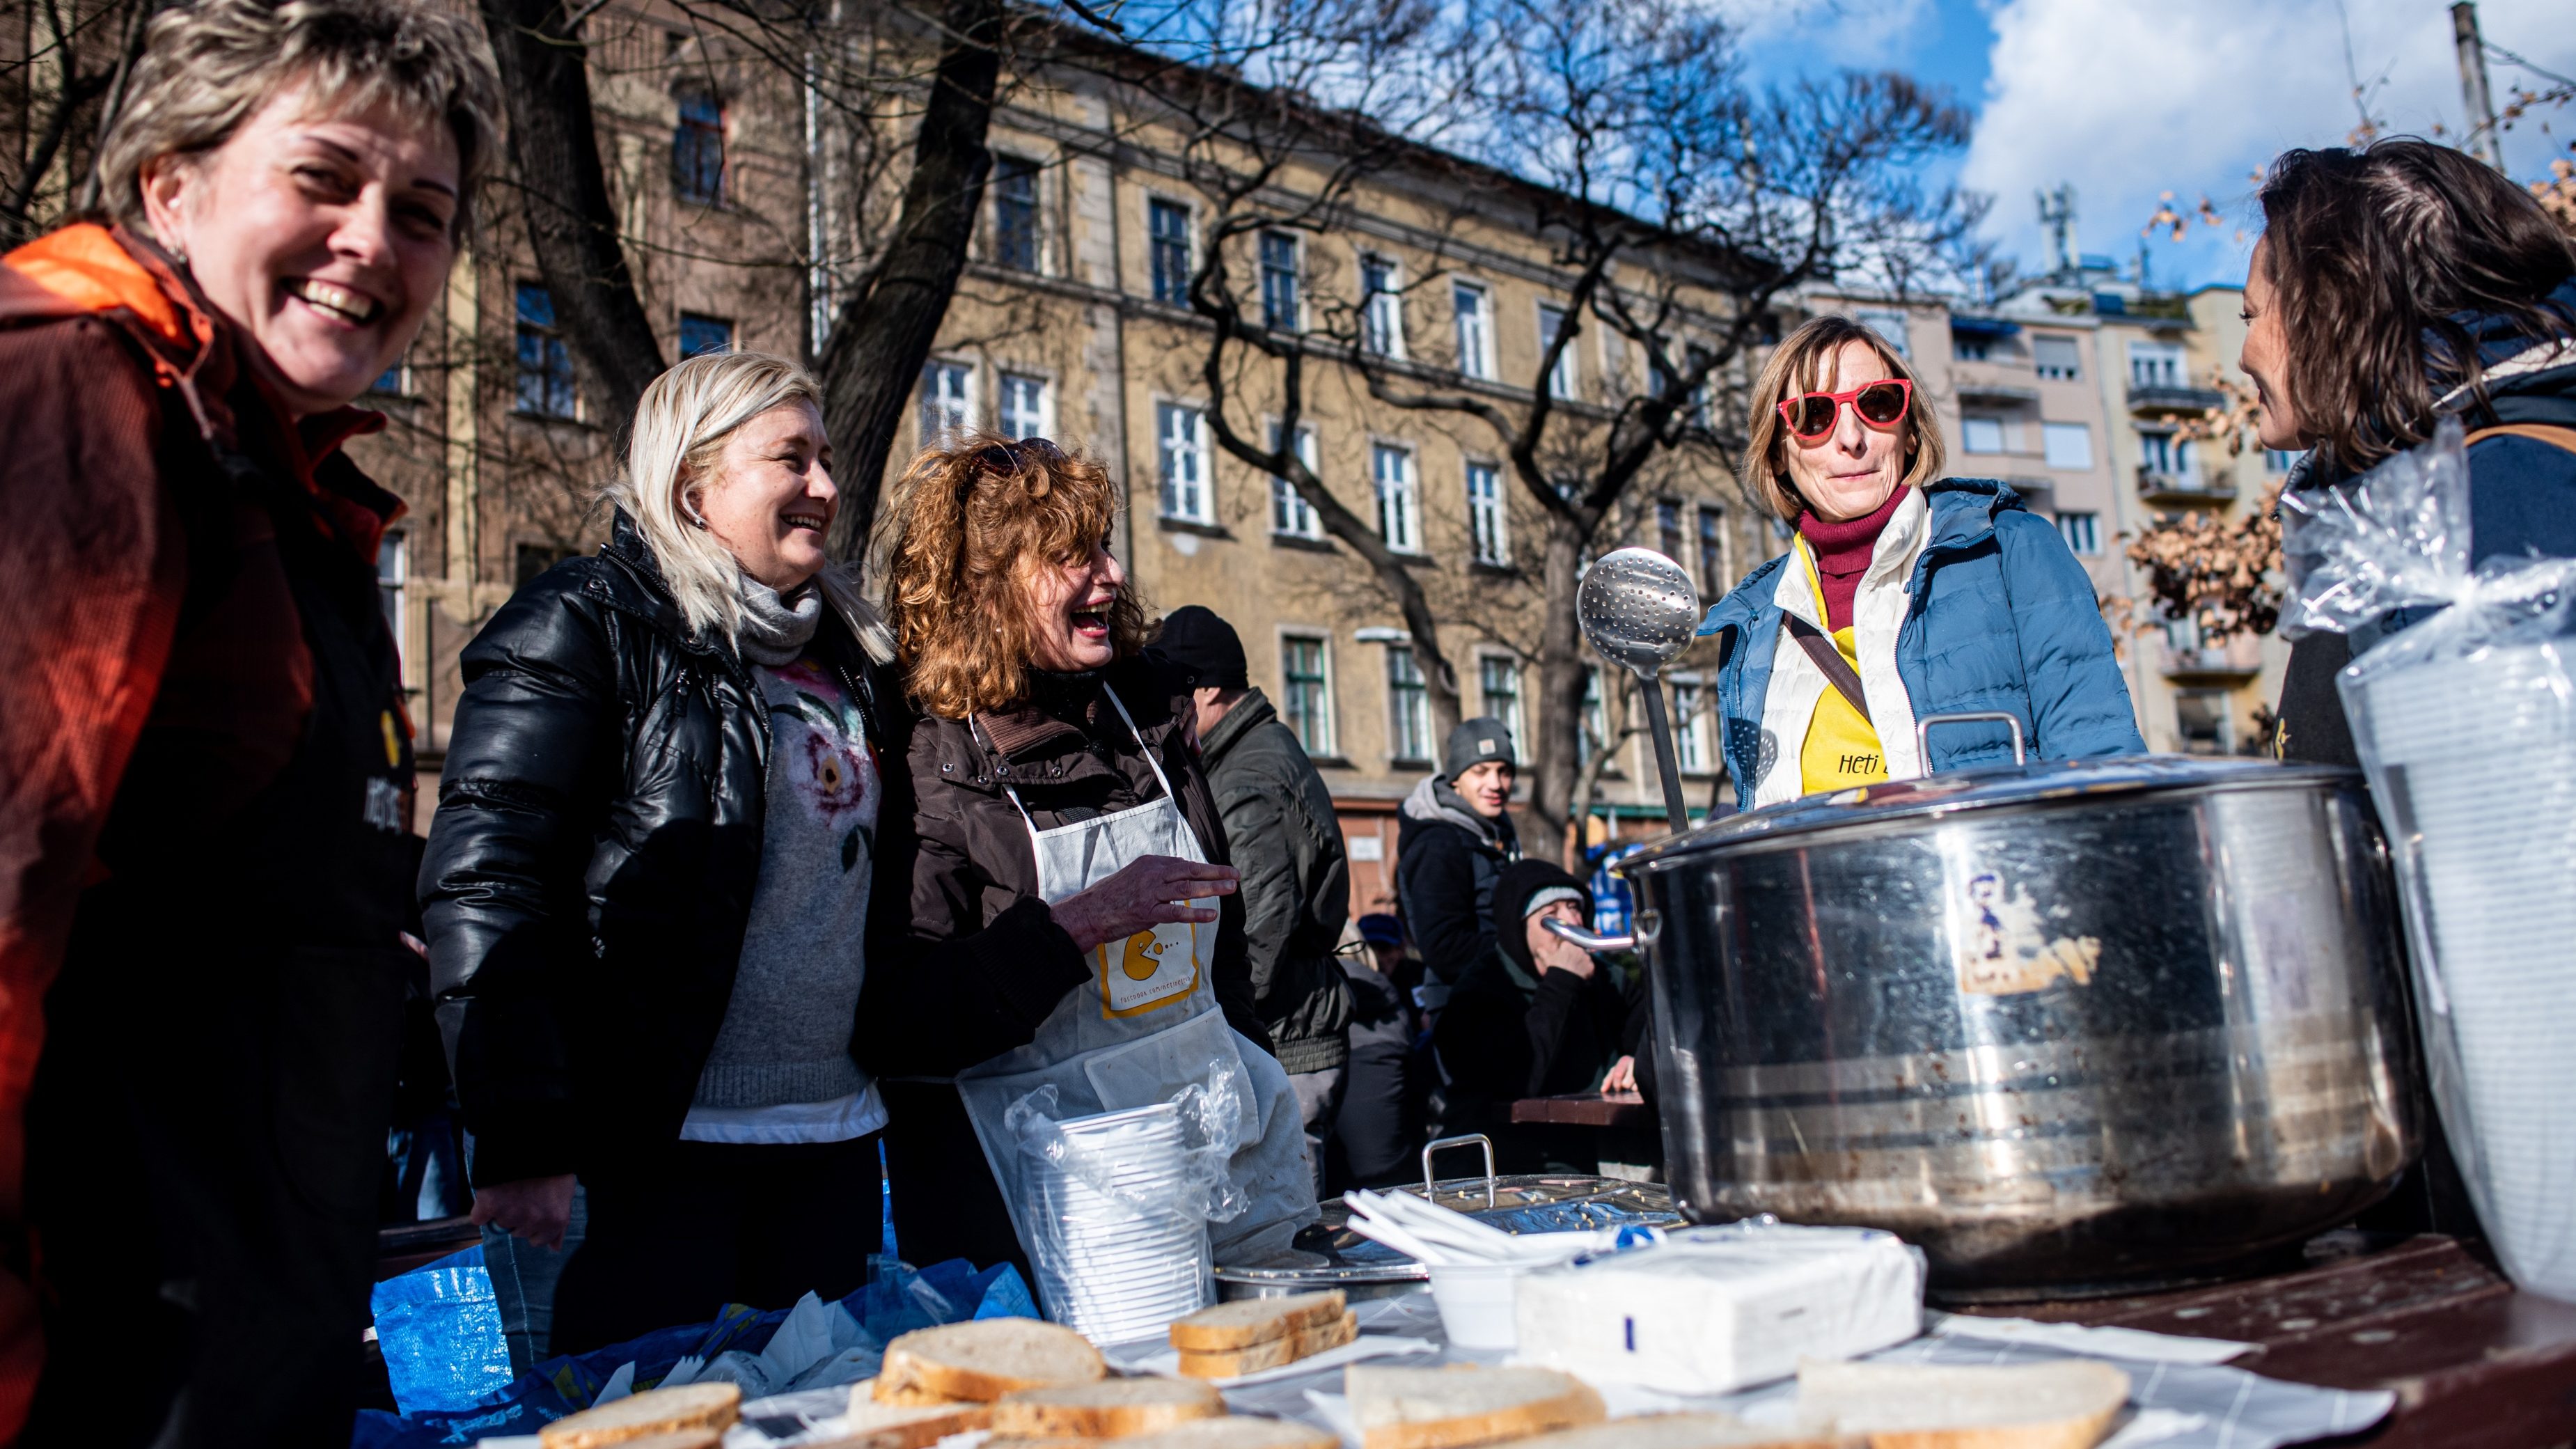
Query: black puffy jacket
x=590, y=874
x=1287, y=841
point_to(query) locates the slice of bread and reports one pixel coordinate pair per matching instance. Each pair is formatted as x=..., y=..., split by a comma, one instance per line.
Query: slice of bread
x=1442, y=1408
x=1682, y=1431
x=2067, y=1404
x=875, y=1425
x=1108, y=1409
x=1248, y=1321
x=1271, y=1353
x=677, y=1439
x=654, y=1411
x=1236, y=1432
x=983, y=1360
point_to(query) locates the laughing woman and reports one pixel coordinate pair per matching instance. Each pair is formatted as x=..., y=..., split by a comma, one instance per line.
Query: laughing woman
x=1904, y=595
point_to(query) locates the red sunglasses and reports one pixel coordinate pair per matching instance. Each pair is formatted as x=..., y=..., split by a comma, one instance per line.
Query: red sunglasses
x=1881, y=404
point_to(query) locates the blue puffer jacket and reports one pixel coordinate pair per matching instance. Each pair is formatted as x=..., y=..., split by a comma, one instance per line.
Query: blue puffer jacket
x=2001, y=617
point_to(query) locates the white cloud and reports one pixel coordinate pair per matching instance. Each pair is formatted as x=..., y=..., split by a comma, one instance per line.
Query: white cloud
x=2129, y=98
x=1856, y=34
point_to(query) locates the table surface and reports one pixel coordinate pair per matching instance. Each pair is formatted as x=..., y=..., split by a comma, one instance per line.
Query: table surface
x=1586, y=1109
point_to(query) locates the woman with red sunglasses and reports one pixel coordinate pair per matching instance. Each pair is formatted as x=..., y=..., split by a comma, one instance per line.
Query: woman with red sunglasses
x=1904, y=594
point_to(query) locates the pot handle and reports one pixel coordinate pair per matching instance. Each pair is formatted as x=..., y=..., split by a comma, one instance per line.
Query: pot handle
x=1594, y=940
x=1481, y=1140
x=1923, y=732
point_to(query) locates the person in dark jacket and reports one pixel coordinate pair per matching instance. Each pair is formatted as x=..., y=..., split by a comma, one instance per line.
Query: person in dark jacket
x=651, y=886
x=1453, y=836
x=2392, y=285
x=1537, y=1017
x=1050, y=748
x=1904, y=595
x=205, y=754
x=1377, y=1134
x=1286, y=841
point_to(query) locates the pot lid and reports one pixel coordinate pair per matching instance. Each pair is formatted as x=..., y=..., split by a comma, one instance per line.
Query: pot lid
x=2039, y=784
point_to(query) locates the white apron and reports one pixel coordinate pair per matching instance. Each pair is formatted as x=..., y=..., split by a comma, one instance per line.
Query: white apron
x=1144, y=1026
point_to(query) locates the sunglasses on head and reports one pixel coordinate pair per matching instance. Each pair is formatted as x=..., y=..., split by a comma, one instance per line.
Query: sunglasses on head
x=1012, y=460
x=1880, y=404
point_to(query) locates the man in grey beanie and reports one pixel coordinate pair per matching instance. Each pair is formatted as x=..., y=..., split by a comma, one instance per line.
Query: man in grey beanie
x=1454, y=836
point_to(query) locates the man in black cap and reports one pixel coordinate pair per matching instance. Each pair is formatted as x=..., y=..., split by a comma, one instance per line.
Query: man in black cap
x=1286, y=841
x=1454, y=836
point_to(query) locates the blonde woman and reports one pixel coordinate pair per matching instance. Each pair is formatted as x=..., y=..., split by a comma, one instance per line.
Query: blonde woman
x=205, y=760
x=649, y=883
x=1904, y=594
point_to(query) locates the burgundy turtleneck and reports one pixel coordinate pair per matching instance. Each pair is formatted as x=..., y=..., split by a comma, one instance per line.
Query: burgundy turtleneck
x=1842, y=555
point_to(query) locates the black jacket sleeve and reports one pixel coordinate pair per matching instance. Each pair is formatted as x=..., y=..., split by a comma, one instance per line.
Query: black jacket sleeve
x=1257, y=837
x=530, y=762
x=1436, y=884
x=1555, y=1014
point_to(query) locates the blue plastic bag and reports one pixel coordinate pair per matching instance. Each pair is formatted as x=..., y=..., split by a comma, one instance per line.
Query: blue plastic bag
x=439, y=1328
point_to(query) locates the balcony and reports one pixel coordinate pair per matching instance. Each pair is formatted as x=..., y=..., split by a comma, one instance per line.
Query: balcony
x=2164, y=399
x=2213, y=664
x=2187, y=488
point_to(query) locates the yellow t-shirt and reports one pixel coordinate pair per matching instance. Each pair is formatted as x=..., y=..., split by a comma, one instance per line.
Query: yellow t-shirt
x=1841, y=749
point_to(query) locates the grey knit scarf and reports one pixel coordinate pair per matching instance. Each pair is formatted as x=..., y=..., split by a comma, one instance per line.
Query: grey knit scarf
x=775, y=629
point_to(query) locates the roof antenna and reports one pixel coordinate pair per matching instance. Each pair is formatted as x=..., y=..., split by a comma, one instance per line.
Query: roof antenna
x=2057, y=213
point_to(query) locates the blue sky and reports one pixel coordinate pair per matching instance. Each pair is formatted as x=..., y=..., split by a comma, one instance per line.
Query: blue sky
x=2126, y=99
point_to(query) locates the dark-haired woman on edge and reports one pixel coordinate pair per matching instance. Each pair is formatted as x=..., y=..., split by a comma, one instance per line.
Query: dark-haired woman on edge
x=2393, y=285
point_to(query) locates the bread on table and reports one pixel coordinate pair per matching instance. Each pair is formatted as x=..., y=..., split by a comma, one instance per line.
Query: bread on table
x=687, y=1409
x=1272, y=1352
x=1236, y=1432
x=875, y=1425
x=1105, y=1409
x=1245, y=1322
x=2066, y=1404
x=1682, y=1431
x=1446, y=1408
x=677, y=1439
x=982, y=1360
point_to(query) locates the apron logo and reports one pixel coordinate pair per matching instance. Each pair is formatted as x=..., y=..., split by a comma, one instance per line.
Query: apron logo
x=1144, y=955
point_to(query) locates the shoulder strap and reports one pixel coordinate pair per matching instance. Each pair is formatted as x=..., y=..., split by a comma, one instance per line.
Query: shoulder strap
x=1837, y=669
x=2553, y=434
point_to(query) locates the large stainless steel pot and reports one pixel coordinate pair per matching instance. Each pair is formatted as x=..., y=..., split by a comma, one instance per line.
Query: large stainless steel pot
x=2059, y=1025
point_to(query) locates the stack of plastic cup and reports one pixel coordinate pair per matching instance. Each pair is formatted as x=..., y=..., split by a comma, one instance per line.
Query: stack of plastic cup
x=1107, y=1269
x=2474, y=764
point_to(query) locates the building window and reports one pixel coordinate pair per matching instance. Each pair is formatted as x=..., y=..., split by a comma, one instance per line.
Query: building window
x=1561, y=379
x=1594, y=725
x=1291, y=516
x=1485, y=513
x=1026, y=411
x=1475, y=309
x=702, y=335
x=1712, y=554
x=1381, y=307
x=1279, y=310
x=1668, y=530
x=1168, y=228
x=1498, y=676
x=1890, y=326
x=2068, y=445
x=2156, y=364
x=1981, y=435
x=697, y=148
x=393, y=574
x=1690, y=732
x=1408, y=704
x=1399, y=503
x=545, y=364
x=2056, y=358
x=1971, y=346
x=2204, y=722
x=1181, y=444
x=1015, y=213
x=2165, y=454
x=2082, y=530
x=947, y=402
x=529, y=561
x=2281, y=460
x=1307, y=699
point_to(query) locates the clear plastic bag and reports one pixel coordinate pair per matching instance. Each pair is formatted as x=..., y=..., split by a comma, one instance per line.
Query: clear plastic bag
x=2465, y=722
x=1119, y=1203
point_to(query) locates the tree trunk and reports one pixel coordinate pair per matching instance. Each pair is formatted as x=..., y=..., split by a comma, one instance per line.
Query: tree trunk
x=1560, y=684
x=572, y=224
x=885, y=331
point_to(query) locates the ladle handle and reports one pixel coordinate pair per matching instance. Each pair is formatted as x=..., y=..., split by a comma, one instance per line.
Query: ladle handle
x=1588, y=940
x=1667, y=764
x=1923, y=732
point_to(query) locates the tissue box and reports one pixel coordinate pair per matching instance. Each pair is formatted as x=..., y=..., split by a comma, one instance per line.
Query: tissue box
x=1713, y=1309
